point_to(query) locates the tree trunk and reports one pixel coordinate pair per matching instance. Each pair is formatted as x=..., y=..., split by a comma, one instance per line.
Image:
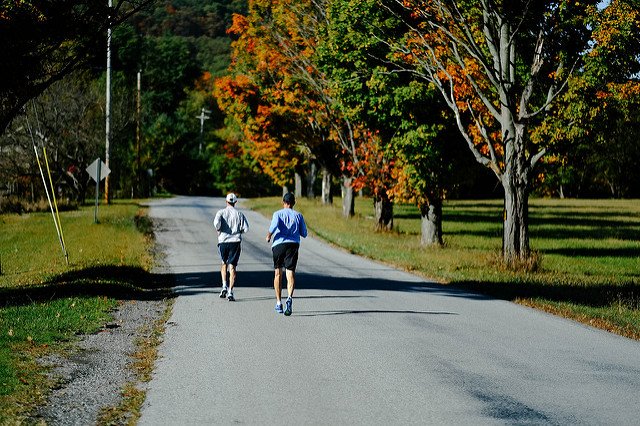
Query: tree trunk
x=311, y=178
x=515, y=181
x=326, y=187
x=431, y=224
x=515, y=241
x=297, y=185
x=348, y=199
x=383, y=211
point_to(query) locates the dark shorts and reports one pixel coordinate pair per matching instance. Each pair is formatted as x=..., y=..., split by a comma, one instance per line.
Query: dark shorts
x=285, y=255
x=229, y=253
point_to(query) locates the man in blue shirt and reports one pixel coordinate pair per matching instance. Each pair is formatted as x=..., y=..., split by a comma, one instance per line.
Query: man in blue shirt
x=287, y=226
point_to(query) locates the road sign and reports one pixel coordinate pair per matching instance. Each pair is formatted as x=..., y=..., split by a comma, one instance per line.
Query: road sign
x=98, y=170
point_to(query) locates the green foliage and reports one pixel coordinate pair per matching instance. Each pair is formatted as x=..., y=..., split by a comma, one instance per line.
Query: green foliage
x=595, y=123
x=179, y=47
x=214, y=54
x=405, y=112
x=42, y=42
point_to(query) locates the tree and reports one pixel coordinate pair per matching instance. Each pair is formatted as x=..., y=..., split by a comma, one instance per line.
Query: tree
x=254, y=104
x=498, y=65
x=178, y=47
x=599, y=113
x=67, y=119
x=45, y=40
x=411, y=154
x=292, y=114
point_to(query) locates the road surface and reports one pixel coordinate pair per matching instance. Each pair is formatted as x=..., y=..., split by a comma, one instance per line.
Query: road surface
x=366, y=344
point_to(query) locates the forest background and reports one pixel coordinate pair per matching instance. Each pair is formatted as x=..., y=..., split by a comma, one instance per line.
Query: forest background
x=255, y=96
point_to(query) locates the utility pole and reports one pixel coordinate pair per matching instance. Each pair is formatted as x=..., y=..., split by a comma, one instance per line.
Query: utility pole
x=138, y=136
x=108, y=105
x=202, y=117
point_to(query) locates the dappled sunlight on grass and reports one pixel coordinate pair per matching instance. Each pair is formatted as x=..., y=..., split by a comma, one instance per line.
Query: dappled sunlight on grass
x=588, y=251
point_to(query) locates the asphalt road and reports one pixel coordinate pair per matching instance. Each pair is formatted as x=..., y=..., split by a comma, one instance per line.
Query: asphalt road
x=366, y=344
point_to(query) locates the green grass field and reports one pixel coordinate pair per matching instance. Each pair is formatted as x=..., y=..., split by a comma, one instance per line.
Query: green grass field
x=45, y=303
x=588, y=252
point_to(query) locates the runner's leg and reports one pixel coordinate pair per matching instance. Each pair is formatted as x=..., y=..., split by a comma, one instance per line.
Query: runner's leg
x=277, y=284
x=291, y=281
x=232, y=277
x=223, y=273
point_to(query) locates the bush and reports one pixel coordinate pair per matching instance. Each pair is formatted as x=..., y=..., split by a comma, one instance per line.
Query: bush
x=13, y=204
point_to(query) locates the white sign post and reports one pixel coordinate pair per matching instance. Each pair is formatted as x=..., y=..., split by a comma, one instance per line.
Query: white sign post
x=98, y=171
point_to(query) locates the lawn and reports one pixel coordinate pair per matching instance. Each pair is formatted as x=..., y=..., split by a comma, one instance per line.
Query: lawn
x=588, y=252
x=45, y=303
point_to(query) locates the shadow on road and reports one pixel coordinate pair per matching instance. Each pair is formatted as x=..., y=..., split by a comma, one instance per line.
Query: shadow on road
x=203, y=282
x=367, y=311
x=601, y=295
x=128, y=283
x=190, y=284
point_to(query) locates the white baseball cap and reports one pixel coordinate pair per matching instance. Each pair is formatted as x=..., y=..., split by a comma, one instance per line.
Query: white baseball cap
x=231, y=198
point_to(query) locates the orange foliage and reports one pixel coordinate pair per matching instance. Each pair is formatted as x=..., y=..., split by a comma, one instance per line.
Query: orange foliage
x=266, y=96
x=376, y=166
x=451, y=73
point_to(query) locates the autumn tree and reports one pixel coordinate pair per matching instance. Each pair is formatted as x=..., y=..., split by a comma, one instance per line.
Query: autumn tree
x=277, y=44
x=498, y=65
x=255, y=102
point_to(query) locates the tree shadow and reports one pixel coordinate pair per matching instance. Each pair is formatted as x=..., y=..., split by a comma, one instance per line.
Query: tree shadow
x=119, y=282
x=369, y=311
x=134, y=283
x=596, y=252
x=204, y=282
x=593, y=295
x=546, y=223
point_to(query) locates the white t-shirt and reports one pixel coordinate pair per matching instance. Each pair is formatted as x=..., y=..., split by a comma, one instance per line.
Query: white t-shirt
x=230, y=224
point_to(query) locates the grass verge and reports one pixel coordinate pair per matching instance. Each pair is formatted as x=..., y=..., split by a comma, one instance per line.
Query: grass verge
x=45, y=303
x=588, y=252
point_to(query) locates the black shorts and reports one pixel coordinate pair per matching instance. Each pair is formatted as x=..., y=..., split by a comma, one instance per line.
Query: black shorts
x=229, y=253
x=285, y=255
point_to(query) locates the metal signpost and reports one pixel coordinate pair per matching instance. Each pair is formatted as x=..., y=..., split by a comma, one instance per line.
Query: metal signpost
x=98, y=170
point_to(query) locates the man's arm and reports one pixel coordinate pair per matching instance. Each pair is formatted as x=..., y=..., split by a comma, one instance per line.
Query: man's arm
x=303, y=227
x=272, y=227
x=245, y=224
x=217, y=222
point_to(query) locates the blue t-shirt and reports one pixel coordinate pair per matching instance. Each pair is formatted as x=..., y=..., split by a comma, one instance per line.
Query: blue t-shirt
x=287, y=226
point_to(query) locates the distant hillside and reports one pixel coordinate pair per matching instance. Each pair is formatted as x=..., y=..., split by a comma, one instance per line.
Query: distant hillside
x=203, y=23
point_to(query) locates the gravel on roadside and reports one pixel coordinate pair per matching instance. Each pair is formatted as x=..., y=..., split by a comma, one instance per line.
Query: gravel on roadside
x=93, y=376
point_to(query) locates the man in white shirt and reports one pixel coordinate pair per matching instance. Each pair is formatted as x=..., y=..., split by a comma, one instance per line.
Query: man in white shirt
x=230, y=224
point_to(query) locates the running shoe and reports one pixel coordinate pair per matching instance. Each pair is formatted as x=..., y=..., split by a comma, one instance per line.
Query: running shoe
x=288, y=310
x=223, y=293
x=279, y=308
x=230, y=298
